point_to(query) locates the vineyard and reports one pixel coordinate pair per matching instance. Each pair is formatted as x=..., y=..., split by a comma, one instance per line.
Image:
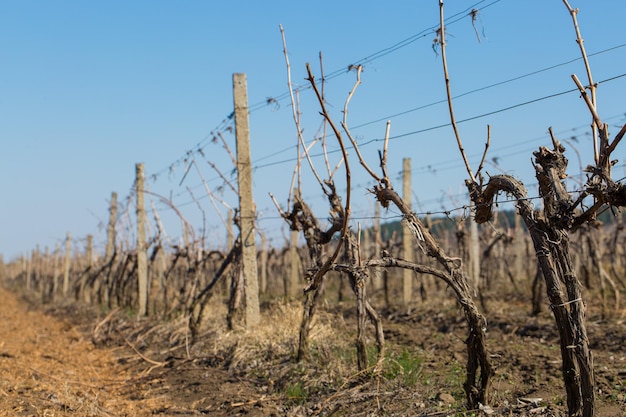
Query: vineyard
x=508, y=304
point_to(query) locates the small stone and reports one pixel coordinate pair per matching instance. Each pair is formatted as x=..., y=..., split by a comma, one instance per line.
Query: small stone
x=446, y=398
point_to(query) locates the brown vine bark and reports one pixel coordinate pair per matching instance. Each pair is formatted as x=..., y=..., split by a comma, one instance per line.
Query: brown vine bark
x=200, y=301
x=549, y=234
x=479, y=369
x=358, y=275
x=301, y=218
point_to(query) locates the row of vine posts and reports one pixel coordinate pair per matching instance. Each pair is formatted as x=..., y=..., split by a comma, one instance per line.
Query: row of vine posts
x=152, y=278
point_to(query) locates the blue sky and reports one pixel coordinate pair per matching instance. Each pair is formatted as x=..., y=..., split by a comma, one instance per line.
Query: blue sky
x=87, y=89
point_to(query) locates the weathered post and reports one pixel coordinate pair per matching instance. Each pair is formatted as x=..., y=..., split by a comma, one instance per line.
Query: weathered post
x=84, y=291
x=38, y=265
x=56, y=272
x=246, y=203
x=89, y=251
x=101, y=286
x=142, y=256
x=66, y=264
x=291, y=290
x=407, y=239
x=29, y=269
x=520, y=268
x=111, y=227
x=263, y=265
x=377, y=273
x=230, y=235
x=230, y=242
x=474, y=254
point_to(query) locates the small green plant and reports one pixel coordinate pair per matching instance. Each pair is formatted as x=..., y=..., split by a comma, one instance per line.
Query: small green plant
x=406, y=365
x=296, y=394
x=456, y=374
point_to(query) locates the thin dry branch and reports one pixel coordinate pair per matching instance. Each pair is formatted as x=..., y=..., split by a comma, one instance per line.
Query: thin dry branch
x=186, y=225
x=103, y=322
x=617, y=139
x=193, y=197
x=296, y=177
x=226, y=181
x=334, y=171
x=213, y=197
x=280, y=210
x=324, y=122
x=344, y=123
x=316, y=279
x=296, y=117
x=157, y=219
x=225, y=145
x=142, y=356
x=590, y=103
x=482, y=160
x=390, y=262
x=300, y=142
x=581, y=43
x=592, y=86
x=442, y=42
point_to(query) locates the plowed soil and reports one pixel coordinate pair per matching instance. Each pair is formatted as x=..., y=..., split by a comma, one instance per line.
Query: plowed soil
x=50, y=366
x=66, y=360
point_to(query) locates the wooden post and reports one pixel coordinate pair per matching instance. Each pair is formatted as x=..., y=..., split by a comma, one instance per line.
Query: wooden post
x=55, y=275
x=111, y=228
x=89, y=251
x=230, y=242
x=474, y=254
x=84, y=291
x=142, y=256
x=230, y=235
x=377, y=275
x=519, y=244
x=246, y=202
x=263, y=265
x=29, y=269
x=101, y=287
x=407, y=239
x=161, y=267
x=66, y=264
x=294, y=272
x=37, y=275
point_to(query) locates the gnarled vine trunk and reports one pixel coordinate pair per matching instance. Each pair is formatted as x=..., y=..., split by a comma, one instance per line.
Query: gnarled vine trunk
x=550, y=237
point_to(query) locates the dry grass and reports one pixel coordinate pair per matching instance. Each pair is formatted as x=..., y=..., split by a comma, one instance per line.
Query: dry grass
x=268, y=351
x=257, y=374
x=328, y=380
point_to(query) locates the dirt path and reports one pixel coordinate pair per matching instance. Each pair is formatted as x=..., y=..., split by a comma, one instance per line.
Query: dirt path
x=47, y=368
x=50, y=368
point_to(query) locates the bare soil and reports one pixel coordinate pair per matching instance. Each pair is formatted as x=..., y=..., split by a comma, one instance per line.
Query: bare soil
x=68, y=360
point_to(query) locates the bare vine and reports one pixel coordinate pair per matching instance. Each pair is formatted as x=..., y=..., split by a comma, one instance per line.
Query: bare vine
x=442, y=43
x=549, y=231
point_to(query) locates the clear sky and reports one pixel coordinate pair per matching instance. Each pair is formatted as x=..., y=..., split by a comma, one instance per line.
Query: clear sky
x=88, y=89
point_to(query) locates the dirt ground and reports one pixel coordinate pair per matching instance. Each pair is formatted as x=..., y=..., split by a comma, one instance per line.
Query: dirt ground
x=50, y=366
x=67, y=360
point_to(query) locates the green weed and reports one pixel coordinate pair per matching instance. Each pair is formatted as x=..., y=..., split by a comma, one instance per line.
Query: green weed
x=295, y=393
x=406, y=366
